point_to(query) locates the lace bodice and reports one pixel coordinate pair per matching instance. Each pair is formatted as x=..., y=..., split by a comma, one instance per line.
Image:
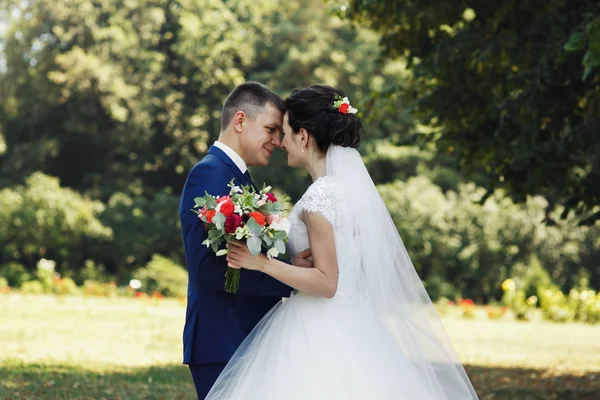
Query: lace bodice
x=326, y=197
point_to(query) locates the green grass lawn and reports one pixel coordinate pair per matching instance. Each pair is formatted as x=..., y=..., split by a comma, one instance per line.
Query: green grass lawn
x=89, y=348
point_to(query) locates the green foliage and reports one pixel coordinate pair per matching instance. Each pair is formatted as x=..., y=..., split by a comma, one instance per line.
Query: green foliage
x=4, y=287
x=516, y=299
x=461, y=248
x=66, y=286
x=118, y=100
x=532, y=276
x=92, y=272
x=450, y=238
x=99, y=289
x=15, y=273
x=41, y=219
x=500, y=91
x=581, y=303
x=46, y=274
x=32, y=287
x=141, y=227
x=164, y=276
x=588, y=40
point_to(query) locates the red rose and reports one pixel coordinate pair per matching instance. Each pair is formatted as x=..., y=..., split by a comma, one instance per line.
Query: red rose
x=271, y=197
x=223, y=198
x=344, y=108
x=232, y=223
x=227, y=208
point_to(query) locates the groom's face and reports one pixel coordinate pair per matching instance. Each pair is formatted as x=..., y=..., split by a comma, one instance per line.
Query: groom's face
x=261, y=135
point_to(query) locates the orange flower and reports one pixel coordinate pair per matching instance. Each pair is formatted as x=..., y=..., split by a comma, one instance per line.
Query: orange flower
x=259, y=218
x=210, y=214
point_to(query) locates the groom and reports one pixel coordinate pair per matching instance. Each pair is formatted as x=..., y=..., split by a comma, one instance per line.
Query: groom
x=217, y=322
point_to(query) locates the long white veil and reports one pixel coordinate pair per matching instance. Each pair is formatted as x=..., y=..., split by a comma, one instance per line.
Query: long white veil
x=386, y=278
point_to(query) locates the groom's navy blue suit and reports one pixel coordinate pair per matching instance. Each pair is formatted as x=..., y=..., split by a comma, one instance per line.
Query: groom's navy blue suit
x=217, y=322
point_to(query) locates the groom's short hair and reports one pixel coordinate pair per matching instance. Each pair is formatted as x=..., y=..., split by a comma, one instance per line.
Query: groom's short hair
x=251, y=98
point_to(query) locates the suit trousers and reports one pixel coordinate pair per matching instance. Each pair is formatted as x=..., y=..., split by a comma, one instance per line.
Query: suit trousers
x=205, y=376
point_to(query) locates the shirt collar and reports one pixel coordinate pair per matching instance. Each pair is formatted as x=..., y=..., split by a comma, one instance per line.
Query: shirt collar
x=235, y=157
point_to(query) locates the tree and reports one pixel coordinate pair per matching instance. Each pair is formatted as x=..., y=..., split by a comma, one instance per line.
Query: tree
x=502, y=92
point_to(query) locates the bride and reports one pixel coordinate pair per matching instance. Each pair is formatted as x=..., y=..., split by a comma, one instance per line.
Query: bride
x=360, y=324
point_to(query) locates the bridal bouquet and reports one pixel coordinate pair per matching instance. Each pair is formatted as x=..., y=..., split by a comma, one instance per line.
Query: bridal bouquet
x=244, y=214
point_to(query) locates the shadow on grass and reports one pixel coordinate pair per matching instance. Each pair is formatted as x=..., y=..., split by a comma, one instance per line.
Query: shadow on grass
x=497, y=383
x=52, y=381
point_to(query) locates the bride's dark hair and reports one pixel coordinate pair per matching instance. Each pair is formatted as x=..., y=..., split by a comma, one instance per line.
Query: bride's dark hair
x=312, y=109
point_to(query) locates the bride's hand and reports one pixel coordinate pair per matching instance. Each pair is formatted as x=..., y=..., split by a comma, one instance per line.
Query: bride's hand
x=240, y=257
x=304, y=259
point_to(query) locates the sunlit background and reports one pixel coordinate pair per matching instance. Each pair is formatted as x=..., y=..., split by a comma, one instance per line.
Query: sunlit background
x=482, y=134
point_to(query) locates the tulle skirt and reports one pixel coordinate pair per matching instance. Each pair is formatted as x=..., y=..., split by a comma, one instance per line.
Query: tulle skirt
x=311, y=348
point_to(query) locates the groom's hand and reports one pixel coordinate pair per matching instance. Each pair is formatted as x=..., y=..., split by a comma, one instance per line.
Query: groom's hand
x=303, y=259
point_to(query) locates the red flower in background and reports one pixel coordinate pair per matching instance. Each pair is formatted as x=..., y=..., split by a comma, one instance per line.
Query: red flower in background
x=467, y=302
x=271, y=197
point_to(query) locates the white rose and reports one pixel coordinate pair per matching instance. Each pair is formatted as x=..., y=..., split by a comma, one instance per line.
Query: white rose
x=272, y=253
x=240, y=233
x=282, y=225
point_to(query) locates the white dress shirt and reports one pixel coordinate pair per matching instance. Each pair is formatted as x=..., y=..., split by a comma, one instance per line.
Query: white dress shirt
x=235, y=157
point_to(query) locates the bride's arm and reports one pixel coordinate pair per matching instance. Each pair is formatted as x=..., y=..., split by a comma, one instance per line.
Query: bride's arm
x=321, y=280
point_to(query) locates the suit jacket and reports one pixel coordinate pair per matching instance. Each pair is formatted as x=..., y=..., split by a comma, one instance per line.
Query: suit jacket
x=217, y=322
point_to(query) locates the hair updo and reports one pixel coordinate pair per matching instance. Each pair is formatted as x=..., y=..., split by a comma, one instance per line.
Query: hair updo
x=312, y=109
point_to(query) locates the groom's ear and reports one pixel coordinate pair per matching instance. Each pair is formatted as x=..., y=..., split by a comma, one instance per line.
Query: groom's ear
x=238, y=121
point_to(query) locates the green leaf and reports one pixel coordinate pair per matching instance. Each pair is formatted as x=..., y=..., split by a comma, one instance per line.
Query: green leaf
x=222, y=252
x=280, y=246
x=214, y=246
x=200, y=202
x=211, y=202
x=254, y=227
x=219, y=220
x=254, y=245
x=576, y=42
x=587, y=73
x=214, y=234
x=268, y=209
x=268, y=241
x=281, y=235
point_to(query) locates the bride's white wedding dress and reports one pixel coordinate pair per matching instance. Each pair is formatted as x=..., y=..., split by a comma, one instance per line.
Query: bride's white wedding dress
x=376, y=339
